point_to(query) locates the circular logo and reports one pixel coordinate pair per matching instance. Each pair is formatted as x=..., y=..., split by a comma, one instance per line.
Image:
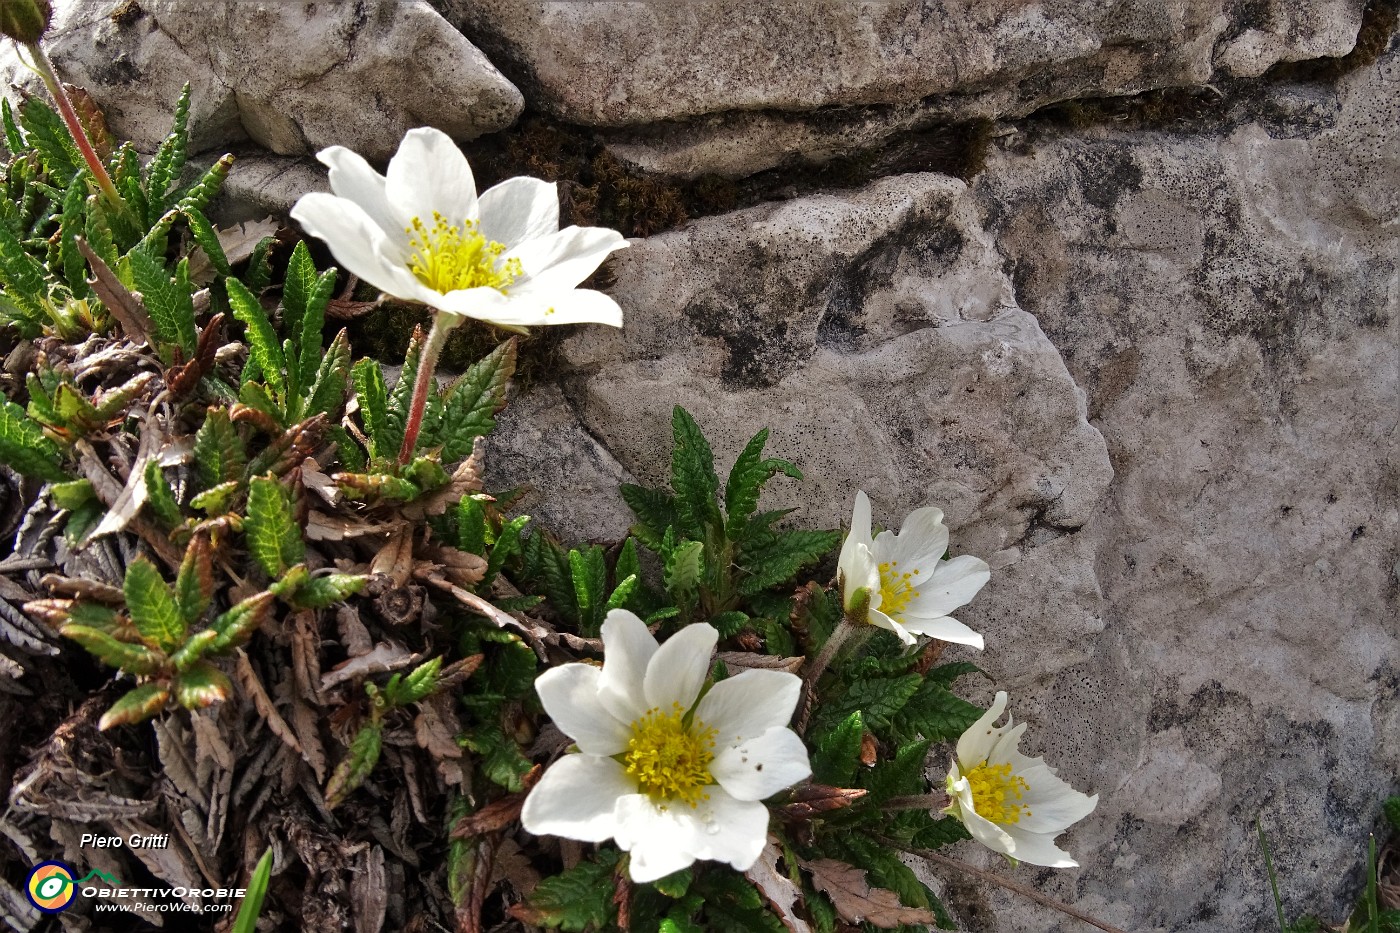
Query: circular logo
x=50, y=887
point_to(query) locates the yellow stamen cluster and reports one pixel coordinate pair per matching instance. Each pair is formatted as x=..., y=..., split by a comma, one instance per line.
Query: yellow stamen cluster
x=995, y=791
x=449, y=257
x=896, y=589
x=667, y=760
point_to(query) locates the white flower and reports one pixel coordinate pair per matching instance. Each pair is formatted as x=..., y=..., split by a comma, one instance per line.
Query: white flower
x=911, y=588
x=422, y=234
x=672, y=780
x=1010, y=803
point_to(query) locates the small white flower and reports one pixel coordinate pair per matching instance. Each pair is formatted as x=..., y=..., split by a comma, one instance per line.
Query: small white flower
x=910, y=587
x=672, y=780
x=422, y=234
x=1010, y=803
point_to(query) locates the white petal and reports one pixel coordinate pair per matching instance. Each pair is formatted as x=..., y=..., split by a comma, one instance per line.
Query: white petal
x=661, y=840
x=761, y=767
x=920, y=544
x=574, y=306
x=1051, y=805
x=749, y=704
x=878, y=618
x=859, y=572
x=576, y=798
x=677, y=670
x=730, y=830
x=944, y=628
x=356, y=241
x=482, y=303
x=951, y=584
x=570, y=697
x=429, y=174
x=562, y=260
x=1037, y=849
x=519, y=209
x=859, y=534
x=627, y=649
x=976, y=743
x=351, y=177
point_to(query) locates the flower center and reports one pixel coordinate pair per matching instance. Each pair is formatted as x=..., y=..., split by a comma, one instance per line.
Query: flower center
x=448, y=257
x=669, y=761
x=896, y=589
x=995, y=791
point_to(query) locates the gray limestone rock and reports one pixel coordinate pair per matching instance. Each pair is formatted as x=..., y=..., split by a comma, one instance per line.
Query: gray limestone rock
x=753, y=84
x=292, y=76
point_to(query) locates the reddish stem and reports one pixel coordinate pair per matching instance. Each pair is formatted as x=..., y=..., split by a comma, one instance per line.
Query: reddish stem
x=443, y=325
x=75, y=126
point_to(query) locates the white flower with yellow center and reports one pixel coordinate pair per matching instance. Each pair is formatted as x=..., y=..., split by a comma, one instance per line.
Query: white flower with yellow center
x=422, y=234
x=911, y=589
x=670, y=779
x=1010, y=803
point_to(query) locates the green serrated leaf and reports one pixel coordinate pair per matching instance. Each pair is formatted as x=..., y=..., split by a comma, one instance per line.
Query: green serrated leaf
x=675, y=884
x=878, y=698
x=373, y=399
x=329, y=379
x=24, y=280
x=198, y=196
x=837, y=752
x=14, y=139
x=693, y=477
x=194, y=648
x=271, y=529
x=507, y=543
x=776, y=557
x=547, y=565
x=237, y=625
x=900, y=776
x=134, y=659
x=70, y=227
x=262, y=339
x=622, y=593
x=215, y=500
x=152, y=606
x=356, y=765
x=72, y=495
x=945, y=674
x=160, y=497
x=219, y=455
x=578, y=899
x=136, y=706
x=320, y=592
x=471, y=525
x=202, y=684
x=420, y=682
x=169, y=159
x=46, y=132
x=23, y=446
x=208, y=239
x=683, y=570
x=939, y=833
x=589, y=574
x=655, y=510
x=401, y=398
x=500, y=757
x=194, y=584
x=935, y=713
x=730, y=623
x=168, y=301
x=473, y=401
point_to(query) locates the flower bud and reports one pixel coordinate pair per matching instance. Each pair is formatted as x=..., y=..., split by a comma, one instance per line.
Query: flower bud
x=25, y=20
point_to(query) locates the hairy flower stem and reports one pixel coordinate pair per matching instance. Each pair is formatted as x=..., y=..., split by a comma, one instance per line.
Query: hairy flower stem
x=443, y=324
x=820, y=663
x=916, y=802
x=1015, y=887
x=75, y=127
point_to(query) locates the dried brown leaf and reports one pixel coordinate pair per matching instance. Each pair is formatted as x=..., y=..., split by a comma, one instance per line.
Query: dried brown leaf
x=856, y=901
x=777, y=887
x=130, y=313
x=354, y=637
x=461, y=567
x=514, y=868
x=748, y=661
x=466, y=479
x=394, y=559
x=250, y=681
x=369, y=894
x=323, y=527
x=385, y=657
x=810, y=800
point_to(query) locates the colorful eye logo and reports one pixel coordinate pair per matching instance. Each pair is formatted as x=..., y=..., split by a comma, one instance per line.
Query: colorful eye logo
x=50, y=887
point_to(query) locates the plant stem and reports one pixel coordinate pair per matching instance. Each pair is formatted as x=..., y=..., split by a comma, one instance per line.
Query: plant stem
x=443, y=324
x=916, y=802
x=833, y=643
x=999, y=881
x=75, y=127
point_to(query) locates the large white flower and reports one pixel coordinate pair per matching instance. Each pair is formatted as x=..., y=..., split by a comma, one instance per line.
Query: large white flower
x=910, y=587
x=672, y=780
x=1010, y=803
x=422, y=234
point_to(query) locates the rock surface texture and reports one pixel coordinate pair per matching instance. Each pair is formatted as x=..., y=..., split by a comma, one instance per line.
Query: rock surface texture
x=740, y=87
x=1150, y=367
x=291, y=76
